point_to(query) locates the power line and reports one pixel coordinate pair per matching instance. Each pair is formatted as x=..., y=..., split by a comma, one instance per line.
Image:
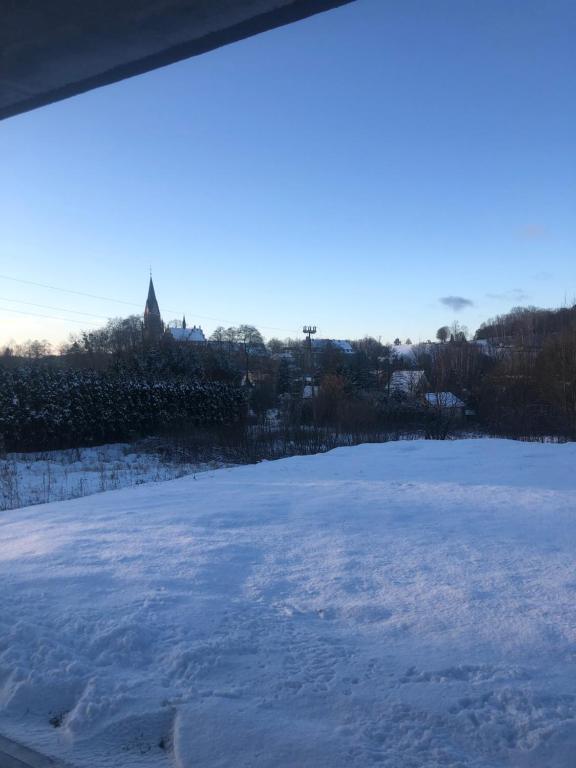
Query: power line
x=132, y=303
x=68, y=290
x=58, y=309
x=50, y=317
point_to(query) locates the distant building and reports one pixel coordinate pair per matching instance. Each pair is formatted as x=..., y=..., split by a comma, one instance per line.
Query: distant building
x=194, y=335
x=318, y=345
x=407, y=351
x=446, y=404
x=155, y=330
x=408, y=383
x=443, y=400
x=153, y=325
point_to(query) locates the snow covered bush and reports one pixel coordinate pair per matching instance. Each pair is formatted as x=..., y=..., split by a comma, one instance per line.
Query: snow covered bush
x=43, y=408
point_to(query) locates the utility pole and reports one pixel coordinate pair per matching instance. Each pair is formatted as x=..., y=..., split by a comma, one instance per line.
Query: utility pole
x=309, y=331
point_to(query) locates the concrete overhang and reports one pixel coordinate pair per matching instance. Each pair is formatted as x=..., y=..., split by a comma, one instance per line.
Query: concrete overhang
x=53, y=49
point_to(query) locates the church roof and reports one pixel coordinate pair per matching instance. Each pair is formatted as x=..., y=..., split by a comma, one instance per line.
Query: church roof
x=187, y=334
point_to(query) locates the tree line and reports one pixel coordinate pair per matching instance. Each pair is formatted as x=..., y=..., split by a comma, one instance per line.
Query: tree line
x=517, y=376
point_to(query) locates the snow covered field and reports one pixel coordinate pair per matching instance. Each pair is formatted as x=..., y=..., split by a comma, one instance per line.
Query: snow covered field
x=408, y=605
x=38, y=478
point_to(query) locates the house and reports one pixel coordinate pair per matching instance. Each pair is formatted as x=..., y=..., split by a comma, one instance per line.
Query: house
x=446, y=403
x=319, y=345
x=443, y=400
x=408, y=383
x=194, y=335
x=406, y=351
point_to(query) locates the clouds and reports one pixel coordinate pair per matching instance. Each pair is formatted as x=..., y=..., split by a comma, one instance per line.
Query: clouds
x=456, y=303
x=513, y=296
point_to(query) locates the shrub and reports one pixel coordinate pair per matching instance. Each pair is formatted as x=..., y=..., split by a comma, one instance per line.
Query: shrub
x=42, y=408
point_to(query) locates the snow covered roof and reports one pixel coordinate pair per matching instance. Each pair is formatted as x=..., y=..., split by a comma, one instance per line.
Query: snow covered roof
x=341, y=344
x=405, y=350
x=490, y=348
x=443, y=400
x=407, y=381
x=195, y=334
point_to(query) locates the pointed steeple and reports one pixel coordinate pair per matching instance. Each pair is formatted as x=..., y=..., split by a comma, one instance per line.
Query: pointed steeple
x=151, y=302
x=153, y=325
x=183, y=321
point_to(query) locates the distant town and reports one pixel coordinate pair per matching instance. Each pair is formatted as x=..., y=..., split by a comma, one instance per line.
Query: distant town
x=515, y=377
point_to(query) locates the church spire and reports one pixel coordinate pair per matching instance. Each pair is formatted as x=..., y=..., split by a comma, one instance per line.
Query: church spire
x=151, y=302
x=183, y=321
x=153, y=326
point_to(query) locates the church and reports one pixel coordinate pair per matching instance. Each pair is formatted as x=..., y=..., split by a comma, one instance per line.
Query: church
x=155, y=330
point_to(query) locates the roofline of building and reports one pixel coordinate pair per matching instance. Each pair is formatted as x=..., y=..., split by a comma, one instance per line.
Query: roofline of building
x=74, y=57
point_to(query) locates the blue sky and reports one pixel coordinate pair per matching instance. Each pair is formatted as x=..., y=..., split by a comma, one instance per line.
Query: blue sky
x=349, y=170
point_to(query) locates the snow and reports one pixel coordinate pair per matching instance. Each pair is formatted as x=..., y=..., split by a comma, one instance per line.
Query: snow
x=443, y=400
x=407, y=350
x=41, y=477
x=187, y=334
x=407, y=382
x=342, y=344
x=406, y=604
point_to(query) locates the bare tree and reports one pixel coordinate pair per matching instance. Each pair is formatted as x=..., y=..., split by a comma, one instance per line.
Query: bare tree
x=458, y=332
x=34, y=349
x=250, y=340
x=275, y=346
x=219, y=334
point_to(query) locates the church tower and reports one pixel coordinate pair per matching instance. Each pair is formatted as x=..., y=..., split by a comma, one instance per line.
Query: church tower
x=153, y=325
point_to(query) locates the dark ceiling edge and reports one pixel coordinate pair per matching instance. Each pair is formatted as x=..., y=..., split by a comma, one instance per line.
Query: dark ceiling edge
x=254, y=26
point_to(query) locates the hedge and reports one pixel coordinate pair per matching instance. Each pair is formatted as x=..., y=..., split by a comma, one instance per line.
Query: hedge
x=42, y=408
